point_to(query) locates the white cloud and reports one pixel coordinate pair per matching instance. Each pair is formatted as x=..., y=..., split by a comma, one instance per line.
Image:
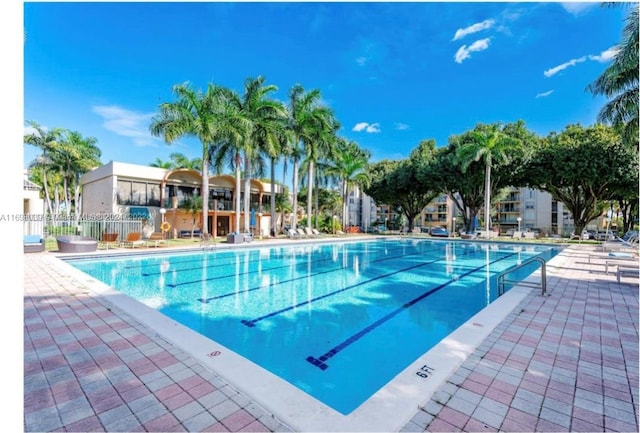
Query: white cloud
x=461, y=33
x=565, y=65
x=605, y=56
x=367, y=127
x=577, y=8
x=401, y=126
x=464, y=52
x=360, y=126
x=543, y=94
x=127, y=123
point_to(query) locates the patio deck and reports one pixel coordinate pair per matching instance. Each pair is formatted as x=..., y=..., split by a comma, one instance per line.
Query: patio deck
x=564, y=362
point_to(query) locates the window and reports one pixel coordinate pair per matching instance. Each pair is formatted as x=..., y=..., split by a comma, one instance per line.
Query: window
x=137, y=193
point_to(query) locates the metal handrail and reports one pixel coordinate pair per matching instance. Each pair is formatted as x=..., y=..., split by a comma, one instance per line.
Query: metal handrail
x=543, y=279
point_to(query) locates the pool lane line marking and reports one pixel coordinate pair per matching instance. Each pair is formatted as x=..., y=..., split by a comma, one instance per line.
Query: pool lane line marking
x=305, y=276
x=320, y=361
x=252, y=322
x=302, y=262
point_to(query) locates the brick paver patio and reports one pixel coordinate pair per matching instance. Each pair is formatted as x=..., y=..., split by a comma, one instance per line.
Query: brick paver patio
x=564, y=362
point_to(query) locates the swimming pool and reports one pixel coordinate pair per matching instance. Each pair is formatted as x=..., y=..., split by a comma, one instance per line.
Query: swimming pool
x=336, y=320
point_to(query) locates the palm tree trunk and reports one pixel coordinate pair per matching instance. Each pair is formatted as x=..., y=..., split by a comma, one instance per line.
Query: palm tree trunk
x=345, y=205
x=205, y=196
x=487, y=197
x=294, y=214
x=47, y=197
x=309, y=193
x=317, y=203
x=65, y=190
x=247, y=192
x=273, y=198
x=237, y=193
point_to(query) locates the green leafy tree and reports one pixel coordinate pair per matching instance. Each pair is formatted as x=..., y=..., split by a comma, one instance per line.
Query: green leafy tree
x=582, y=168
x=464, y=187
x=406, y=184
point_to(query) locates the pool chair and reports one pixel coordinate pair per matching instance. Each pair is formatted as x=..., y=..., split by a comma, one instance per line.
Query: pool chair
x=628, y=242
x=309, y=232
x=76, y=244
x=108, y=240
x=156, y=239
x=317, y=233
x=33, y=244
x=302, y=233
x=133, y=239
x=292, y=234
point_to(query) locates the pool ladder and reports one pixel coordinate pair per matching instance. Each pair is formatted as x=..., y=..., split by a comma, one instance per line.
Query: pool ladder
x=502, y=281
x=207, y=243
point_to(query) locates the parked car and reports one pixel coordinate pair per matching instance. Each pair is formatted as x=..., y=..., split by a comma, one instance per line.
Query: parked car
x=424, y=230
x=439, y=232
x=605, y=235
x=588, y=234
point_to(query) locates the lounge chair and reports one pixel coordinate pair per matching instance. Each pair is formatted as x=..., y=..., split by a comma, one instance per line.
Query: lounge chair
x=76, y=244
x=292, y=234
x=156, y=239
x=302, y=233
x=107, y=240
x=628, y=242
x=316, y=232
x=33, y=244
x=134, y=239
x=309, y=232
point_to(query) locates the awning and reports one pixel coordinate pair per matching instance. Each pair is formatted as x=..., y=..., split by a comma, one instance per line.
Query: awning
x=139, y=213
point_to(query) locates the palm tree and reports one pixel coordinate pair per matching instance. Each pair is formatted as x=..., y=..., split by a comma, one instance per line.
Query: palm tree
x=619, y=82
x=312, y=127
x=275, y=150
x=489, y=144
x=349, y=164
x=180, y=160
x=161, y=164
x=74, y=156
x=205, y=116
x=46, y=141
x=265, y=117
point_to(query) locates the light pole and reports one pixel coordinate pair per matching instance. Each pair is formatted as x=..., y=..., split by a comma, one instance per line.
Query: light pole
x=453, y=230
x=385, y=224
x=519, y=221
x=162, y=212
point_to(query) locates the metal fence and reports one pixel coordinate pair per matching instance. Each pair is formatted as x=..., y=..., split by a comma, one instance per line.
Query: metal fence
x=50, y=226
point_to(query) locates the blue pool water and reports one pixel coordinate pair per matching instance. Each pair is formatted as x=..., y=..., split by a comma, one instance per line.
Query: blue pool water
x=337, y=320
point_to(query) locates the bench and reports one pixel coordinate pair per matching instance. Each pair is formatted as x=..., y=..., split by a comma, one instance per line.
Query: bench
x=617, y=260
x=187, y=233
x=628, y=270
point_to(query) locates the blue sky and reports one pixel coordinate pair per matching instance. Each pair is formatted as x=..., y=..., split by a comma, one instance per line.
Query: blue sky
x=394, y=73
